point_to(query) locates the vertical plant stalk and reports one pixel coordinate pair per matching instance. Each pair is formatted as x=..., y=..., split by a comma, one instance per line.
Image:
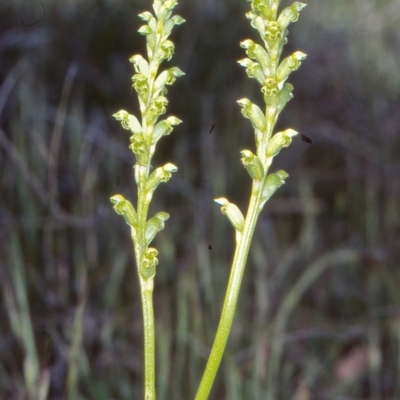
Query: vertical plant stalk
x=263, y=64
x=151, y=89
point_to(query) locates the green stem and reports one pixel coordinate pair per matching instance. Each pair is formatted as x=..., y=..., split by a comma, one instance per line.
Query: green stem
x=149, y=341
x=232, y=293
x=146, y=293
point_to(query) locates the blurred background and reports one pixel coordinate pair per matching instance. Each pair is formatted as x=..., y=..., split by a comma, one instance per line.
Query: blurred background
x=319, y=310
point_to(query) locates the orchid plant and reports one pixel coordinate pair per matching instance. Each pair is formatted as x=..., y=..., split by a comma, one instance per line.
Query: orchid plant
x=265, y=66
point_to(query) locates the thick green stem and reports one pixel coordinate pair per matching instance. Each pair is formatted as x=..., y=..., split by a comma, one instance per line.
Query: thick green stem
x=232, y=293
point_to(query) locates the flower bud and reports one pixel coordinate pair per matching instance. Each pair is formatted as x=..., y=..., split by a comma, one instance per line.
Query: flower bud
x=167, y=77
x=280, y=140
x=164, y=128
x=253, y=164
x=138, y=147
x=158, y=106
x=125, y=208
x=149, y=263
x=256, y=52
x=253, y=113
x=154, y=225
x=253, y=70
x=272, y=184
x=169, y=24
x=140, y=64
x=232, y=212
x=145, y=30
x=167, y=49
x=284, y=96
x=290, y=64
x=290, y=14
x=146, y=16
x=161, y=174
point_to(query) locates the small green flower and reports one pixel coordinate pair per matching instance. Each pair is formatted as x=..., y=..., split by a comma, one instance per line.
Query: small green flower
x=290, y=64
x=257, y=52
x=125, y=208
x=164, y=128
x=290, y=14
x=273, y=33
x=155, y=225
x=270, y=91
x=233, y=213
x=140, y=64
x=161, y=174
x=284, y=96
x=159, y=105
x=122, y=116
x=253, y=70
x=167, y=50
x=253, y=164
x=145, y=30
x=149, y=263
x=272, y=184
x=253, y=113
x=279, y=141
x=140, y=84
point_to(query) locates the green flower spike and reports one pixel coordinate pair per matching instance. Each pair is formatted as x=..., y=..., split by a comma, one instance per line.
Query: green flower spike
x=150, y=85
x=264, y=66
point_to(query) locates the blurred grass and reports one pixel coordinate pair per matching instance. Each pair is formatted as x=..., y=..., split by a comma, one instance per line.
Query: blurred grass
x=63, y=249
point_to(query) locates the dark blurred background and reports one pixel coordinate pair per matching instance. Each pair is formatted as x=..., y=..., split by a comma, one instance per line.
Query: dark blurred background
x=318, y=315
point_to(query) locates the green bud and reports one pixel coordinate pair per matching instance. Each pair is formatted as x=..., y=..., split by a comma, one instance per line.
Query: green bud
x=280, y=140
x=284, y=96
x=290, y=64
x=167, y=49
x=149, y=263
x=159, y=105
x=290, y=14
x=155, y=225
x=256, y=52
x=165, y=10
x=232, y=212
x=253, y=113
x=138, y=146
x=140, y=84
x=140, y=64
x=161, y=174
x=125, y=208
x=253, y=165
x=167, y=77
x=145, y=30
x=272, y=184
x=273, y=33
x=270, y=90
x=257, y=22
x=263, y=8
x=122, y=116
x=253, y=70
x=128, y=121
x=169, y=24
x=146, y=16
x=164, y=128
